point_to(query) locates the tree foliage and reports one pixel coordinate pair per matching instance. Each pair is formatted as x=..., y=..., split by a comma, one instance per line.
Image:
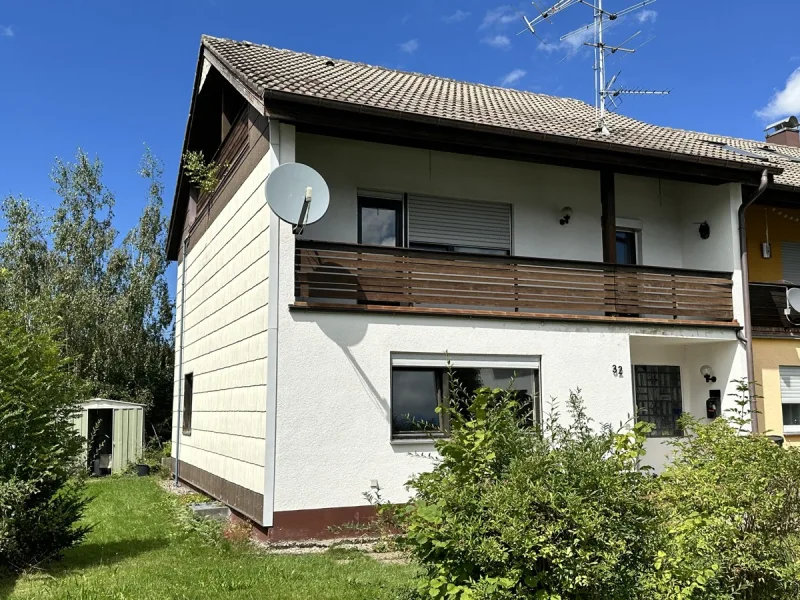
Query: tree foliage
x=41, y=495
x=107, y=300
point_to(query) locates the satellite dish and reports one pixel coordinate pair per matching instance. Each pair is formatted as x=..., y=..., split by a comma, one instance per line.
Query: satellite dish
x=793, y=299
x=297, y=194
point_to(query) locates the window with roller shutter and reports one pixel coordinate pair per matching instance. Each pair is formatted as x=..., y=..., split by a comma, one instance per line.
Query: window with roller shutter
x=459, y=225
x=790, y=398
x=790, y=261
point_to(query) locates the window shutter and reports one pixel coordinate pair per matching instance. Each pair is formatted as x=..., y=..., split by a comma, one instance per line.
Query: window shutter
x=790, y=385
x=459, y=223
x=790, y=257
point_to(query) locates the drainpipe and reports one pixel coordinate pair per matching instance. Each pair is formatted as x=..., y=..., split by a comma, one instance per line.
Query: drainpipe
x=180, y=366
x=748, y=328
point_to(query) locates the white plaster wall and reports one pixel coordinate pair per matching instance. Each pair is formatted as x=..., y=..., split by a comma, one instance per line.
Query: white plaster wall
x=725, y=357
x=668, y=210
x=225, y=339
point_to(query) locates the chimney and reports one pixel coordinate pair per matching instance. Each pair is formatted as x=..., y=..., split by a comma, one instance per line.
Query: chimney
x=785, y=132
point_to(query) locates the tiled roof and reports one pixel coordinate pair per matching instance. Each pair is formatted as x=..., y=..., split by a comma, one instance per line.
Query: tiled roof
x=265, y=69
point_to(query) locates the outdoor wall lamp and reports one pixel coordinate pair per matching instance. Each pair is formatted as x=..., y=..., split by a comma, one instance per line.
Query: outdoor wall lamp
x=566, y=215
x=705, y=230
x=708, y=373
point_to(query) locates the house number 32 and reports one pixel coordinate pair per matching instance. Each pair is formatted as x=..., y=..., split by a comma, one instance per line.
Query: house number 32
x=617, y=370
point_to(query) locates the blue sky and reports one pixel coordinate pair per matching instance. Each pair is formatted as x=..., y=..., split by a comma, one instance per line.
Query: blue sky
x=111, y=76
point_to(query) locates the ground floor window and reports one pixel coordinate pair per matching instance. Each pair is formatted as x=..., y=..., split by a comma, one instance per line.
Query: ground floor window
x=790, y=398
x=421, y=385
x=657, y=391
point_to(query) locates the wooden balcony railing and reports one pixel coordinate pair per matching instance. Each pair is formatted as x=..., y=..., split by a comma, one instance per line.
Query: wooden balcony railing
x=349, y=274
x=230, y=153
x=768, y=310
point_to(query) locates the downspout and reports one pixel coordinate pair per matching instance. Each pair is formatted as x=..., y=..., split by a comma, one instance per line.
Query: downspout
x=178, y=426
x=748, y=327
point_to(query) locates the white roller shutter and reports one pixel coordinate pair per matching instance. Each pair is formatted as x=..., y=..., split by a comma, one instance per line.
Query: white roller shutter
x=790, y=259
x=459, y=223
x=790, y=398
x=790, y=385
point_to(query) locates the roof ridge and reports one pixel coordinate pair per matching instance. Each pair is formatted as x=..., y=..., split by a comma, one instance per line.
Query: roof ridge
x=390, y=70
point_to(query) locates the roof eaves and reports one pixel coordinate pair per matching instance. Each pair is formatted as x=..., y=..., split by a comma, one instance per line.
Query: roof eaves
x=530, y=135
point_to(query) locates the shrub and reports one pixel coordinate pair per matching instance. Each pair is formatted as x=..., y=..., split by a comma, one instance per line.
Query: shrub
x=41, y=492
x=514, y=512
x=731, y=508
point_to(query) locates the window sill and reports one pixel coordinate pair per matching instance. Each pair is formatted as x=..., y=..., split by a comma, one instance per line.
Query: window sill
x=415, y=441
x=791, y=429
x=186, y=433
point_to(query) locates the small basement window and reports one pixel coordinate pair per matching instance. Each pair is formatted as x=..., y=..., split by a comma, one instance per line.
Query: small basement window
x=188, y=385
x=421, y=384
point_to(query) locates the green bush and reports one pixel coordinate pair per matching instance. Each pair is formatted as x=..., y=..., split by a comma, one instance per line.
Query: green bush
x=41, y=491
x=510, y=512
x=731, y=508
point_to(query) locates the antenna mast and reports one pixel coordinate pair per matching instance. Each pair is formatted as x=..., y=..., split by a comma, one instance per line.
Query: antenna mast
x=605, y=91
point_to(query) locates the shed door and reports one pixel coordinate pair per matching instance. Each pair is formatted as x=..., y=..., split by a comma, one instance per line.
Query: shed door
x=790, y=259
x=459, y=225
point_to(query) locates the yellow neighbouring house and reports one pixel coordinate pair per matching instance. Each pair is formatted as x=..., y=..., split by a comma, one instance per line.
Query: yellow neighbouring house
x=773, y=240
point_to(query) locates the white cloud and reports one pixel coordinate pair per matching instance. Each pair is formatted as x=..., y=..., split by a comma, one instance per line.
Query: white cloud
x=456, y=17
x=6, y=31
x=569, y=45
x=785, y=102
x=513, y=77
x=647, y=15
x=409, y=47
x=498, y=41
x=498, y=17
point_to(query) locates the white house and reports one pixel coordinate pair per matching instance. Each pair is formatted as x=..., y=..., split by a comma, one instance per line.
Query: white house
x=489, y=225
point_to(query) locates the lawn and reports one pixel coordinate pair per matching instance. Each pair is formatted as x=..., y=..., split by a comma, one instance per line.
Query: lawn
x=138, y=550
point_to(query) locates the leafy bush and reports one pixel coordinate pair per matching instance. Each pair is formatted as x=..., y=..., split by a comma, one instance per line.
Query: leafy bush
x=731, y=505
x=41, y=491
x=514, y=512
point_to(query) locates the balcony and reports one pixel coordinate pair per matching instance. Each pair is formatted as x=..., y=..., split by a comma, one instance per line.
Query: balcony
x=767, y=311
x=387, y=279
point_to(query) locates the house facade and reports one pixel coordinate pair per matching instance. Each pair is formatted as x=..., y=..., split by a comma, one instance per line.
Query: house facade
x=488, y=228
x=773, y=234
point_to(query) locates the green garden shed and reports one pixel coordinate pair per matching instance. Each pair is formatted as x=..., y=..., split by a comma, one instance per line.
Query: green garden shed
x=118, y=434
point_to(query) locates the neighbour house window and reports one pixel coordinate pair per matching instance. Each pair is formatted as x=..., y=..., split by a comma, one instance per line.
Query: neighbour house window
x=790, y=262
x=188, y=385
x=790, y=398
x=380, y=221
x=417, y=391
x=657, y=391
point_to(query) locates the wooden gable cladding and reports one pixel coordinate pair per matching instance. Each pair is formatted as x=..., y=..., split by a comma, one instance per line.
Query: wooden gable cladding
x=356, y=276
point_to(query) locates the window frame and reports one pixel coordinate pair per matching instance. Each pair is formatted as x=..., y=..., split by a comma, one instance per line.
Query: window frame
x=379, y=201
x=188, y=400
x=787, y=429
x=440, y=363
x=637, y=247
x=639, y=419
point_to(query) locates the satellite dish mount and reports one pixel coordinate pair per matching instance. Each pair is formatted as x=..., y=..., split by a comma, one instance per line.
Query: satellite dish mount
x=297, y=194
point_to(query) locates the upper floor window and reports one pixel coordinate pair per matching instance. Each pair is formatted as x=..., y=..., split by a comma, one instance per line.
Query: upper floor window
x=380, y=221
x=627, y=247
x=790, y=262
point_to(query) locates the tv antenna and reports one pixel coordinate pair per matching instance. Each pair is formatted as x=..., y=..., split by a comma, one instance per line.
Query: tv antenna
x=605, y=91
x=297, y=194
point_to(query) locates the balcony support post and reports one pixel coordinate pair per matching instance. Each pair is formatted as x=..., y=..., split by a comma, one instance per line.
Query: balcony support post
x=608, y=224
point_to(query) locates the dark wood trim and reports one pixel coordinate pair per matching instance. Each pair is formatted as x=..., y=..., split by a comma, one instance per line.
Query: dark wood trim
x=211, y=207
x=391, y=127
x=247, y=502
x=608, y=218
x=488, y=314
x=239, y=83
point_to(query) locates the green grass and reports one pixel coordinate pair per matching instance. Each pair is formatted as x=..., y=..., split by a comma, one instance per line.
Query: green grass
x=139, y=550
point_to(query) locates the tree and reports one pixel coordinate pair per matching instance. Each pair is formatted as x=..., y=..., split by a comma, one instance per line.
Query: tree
x=41, y=492
x=108, y=302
